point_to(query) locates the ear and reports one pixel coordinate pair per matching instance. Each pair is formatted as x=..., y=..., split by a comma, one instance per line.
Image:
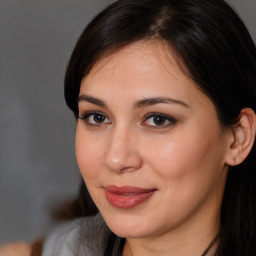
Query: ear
x=242, y=138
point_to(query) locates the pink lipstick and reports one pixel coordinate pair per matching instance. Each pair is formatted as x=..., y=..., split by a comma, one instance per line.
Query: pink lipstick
x=127, y=197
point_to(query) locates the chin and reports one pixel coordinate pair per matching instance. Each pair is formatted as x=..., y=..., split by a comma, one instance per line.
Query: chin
x=128, y=232
x=129, y=227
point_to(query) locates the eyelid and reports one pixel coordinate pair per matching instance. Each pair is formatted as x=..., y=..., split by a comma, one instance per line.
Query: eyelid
x=89, y=113
x=85, y=116
x=169, y=118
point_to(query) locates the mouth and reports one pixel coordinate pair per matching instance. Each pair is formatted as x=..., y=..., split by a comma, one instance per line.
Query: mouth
x=127, y=197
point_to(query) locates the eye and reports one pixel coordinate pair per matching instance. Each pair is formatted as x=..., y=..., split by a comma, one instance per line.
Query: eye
x=158, y=120
x=94, y=118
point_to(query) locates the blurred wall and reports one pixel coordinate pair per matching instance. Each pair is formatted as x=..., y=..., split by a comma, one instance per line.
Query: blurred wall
x=37, y=161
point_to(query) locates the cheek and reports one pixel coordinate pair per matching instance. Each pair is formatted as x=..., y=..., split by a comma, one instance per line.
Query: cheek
x=88, y=154
x=188, y=171
x=185, y=154
x=170, y=159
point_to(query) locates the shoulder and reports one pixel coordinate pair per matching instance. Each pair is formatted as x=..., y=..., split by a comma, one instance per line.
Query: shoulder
x=62, y=239
x=70, y=238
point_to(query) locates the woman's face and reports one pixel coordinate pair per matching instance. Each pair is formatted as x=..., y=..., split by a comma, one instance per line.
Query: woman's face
x=149, y=144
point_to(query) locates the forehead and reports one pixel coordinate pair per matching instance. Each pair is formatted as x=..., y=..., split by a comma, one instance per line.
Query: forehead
x=157, y=56
x=142, y=70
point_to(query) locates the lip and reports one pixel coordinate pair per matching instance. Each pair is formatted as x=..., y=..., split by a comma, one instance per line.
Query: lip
x=126, y=197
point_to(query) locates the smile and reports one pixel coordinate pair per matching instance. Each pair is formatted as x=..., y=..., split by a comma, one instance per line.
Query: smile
x=127, y=197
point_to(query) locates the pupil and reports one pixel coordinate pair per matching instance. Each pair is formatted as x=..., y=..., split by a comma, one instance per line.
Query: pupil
x=99, y=118
x=158, y=120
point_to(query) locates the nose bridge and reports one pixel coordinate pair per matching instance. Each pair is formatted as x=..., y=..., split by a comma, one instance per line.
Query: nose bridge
x=122, y=151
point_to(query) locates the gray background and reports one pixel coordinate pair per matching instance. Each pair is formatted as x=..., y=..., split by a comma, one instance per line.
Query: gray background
x=37, y=162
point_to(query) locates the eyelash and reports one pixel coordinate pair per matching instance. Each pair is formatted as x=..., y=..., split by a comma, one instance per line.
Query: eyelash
x=166, y=118
x=85, y=117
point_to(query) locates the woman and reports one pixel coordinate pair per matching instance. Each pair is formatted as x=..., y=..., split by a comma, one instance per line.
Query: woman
x=164, y=93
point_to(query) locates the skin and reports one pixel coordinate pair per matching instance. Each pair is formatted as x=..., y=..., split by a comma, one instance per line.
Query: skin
x=183, y=159
x=15, y=249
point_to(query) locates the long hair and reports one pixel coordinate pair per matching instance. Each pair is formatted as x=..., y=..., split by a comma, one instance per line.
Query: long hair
x=213, y=47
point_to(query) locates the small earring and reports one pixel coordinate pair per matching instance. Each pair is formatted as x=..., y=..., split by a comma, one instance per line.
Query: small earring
x=235, y=157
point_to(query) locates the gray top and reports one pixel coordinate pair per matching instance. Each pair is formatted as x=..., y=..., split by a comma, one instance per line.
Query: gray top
x=69, y=239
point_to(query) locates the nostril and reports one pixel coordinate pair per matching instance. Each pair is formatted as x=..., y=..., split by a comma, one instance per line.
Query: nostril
x=127, y=163
x=126, y=169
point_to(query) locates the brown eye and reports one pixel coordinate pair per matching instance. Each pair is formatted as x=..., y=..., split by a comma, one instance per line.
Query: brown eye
x=158, y=120
x=98, y=118
x=94, y=118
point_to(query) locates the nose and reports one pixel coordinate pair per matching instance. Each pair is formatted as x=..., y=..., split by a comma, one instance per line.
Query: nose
x=122, y=153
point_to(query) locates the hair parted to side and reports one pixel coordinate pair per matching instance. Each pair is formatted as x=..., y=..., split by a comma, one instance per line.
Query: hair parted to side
x=214, y=48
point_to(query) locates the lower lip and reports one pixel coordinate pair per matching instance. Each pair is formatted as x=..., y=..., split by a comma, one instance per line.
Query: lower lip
x=127, y=201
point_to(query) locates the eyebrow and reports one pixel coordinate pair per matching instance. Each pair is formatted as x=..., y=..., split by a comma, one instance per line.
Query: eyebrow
x=138, y=104
x=156, y=100
x=92, y=100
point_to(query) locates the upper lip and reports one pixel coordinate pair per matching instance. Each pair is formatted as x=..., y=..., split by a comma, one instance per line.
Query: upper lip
x=127, y=189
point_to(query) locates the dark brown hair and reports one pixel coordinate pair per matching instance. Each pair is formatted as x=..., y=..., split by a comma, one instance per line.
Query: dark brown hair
x=212, y=43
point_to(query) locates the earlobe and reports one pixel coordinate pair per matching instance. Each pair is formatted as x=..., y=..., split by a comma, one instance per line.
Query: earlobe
x=243, y=137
